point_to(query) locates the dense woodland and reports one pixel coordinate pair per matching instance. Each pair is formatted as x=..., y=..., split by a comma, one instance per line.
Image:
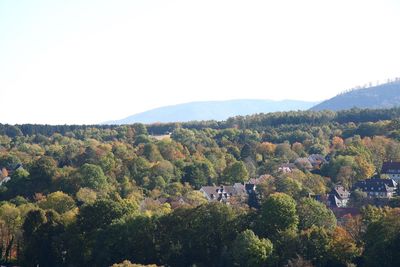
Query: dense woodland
x=102, y=195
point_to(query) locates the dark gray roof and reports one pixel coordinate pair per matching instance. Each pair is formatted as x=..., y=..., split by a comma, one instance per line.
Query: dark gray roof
x=391, y=167
x=316, y=158
x=376, y=185
x=223, y=192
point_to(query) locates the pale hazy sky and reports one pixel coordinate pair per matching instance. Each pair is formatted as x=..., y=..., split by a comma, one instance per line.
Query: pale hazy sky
x=92, y=61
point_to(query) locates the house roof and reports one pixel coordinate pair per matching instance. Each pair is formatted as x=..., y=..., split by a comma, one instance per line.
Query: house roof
x=376, y=185
x=218, y=192
x=289, y=166
x=391, y=167
x=316, y=158
x=340, y=192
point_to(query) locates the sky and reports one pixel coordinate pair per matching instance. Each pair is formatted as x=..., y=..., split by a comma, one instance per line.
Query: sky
x=90, y=61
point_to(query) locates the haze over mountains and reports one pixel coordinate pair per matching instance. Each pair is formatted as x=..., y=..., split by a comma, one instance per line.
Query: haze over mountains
x=213, y=110
x=375, y=97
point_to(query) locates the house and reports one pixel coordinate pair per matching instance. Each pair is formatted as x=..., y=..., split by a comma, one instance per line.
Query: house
x=4, y=176
x=287, y=167
x=338, y=197
x=241, y=193
x=4, y=180
x=303, y=164
x=392, y=169
x=377, y=187
x=223, y=193
x=316, y=160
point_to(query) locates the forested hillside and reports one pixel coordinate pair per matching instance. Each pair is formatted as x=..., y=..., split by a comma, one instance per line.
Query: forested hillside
x=104, y=195
x=380, y=96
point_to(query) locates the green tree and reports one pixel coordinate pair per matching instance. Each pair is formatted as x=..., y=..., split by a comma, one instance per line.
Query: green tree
x=122, y=242
x=196, y=236
x=40, y=177
x=58, y=201
x=86, y=195
x=382, y=240
x=315, y=245
x=10, y=229
x=312, y=212
x=249, y=250
x=278, y=213
x=199, y=173
x=92, y=176
x=100, y=214
x=235, y=173
x=152, y=153
x=43, y=239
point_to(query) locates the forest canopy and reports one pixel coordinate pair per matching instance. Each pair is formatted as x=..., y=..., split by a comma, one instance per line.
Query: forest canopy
x=130, y=195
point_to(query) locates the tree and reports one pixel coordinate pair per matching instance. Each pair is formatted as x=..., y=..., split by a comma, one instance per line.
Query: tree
x=248, y=150
x=285, y=152
x=152, y=153
x=249, y=250
x=266, y=149
x=298, y=148
x=43, y=239
x=10, y=227
x=92, y=176
x=358, y=199
x=100, y=214
x=315, y=245
x=288, y=185
x=365, y=169
x=337, y=143
x=120, y=241
x=342, y=169
x=382, y=240
x=199, y=173
x=278, y=213
x=317, y=149
x=58, y=201
x=196, y=236
x=312, y=212
x=235, y=173
x=86, y=195
x=41, y=173
x=343, y=248
x=140, y=129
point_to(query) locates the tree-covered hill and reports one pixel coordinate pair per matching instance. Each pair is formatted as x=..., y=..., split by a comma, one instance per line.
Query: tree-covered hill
x=374, y=97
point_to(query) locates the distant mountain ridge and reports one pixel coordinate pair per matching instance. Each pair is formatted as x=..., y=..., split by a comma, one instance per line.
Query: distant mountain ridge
x=213, y=110
x=375, y=97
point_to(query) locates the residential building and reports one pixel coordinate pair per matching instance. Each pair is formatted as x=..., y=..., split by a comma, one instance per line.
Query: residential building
x=316, y=160
x=287, y=167
x=223, y=193
x=392, y=169
x=377, y=187
x=338, y=197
